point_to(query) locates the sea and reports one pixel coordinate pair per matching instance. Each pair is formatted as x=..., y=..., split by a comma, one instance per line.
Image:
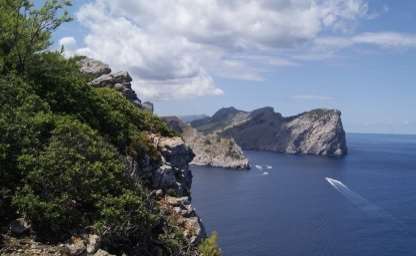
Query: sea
x=290, y=205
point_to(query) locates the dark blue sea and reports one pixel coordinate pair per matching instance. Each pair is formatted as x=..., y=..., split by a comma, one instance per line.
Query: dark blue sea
x=362, y=205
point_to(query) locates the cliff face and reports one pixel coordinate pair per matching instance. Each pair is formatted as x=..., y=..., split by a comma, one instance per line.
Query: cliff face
x=317, y=132
x=210, y=150
x=169, y=177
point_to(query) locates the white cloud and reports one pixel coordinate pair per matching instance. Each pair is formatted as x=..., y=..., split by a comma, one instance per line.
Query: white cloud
x=69, y=44
x=379, y=39
x=176, y=48
x=312, y=97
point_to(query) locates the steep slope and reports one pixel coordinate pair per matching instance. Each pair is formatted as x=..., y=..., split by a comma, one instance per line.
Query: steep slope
x=317, y=132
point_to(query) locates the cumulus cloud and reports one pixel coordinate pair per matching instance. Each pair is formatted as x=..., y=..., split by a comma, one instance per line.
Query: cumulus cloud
x=176, y=48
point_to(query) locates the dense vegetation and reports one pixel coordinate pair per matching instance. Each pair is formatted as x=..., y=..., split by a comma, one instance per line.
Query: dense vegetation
x=62, y=143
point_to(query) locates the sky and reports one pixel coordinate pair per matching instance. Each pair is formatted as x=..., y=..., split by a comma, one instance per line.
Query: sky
x=196, y=56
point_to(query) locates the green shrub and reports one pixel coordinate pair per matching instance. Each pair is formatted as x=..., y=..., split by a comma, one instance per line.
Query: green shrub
x=209, y=247
x=25, y=122
x=65, y=181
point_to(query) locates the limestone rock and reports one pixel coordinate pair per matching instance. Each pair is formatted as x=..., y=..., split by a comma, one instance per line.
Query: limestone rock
x=93, y=67
x=175, y=151
x=317, y=132
x=76, y=246
x=120, y=81
x=185, y=217
x=94, y=243
x=211, y=149
x=102, y=253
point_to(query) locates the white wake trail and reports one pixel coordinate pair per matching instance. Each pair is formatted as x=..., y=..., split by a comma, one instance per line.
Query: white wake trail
x=369, y=208
x=259, y=167
x=359, y=201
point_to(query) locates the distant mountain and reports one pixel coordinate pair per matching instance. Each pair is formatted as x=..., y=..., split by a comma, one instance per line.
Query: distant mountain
x=317, y=132
x=191, y=118
x=211, y=149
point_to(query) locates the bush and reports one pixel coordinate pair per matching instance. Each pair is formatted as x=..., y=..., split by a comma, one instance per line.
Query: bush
x=25, y=121
x=209, y=247
x=65, y=183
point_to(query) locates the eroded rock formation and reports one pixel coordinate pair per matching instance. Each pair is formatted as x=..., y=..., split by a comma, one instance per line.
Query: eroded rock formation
x=210, y=150
x=317, y=132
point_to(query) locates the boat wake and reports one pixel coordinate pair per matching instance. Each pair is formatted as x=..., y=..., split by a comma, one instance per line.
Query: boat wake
x=359, y=201
x=259, y=167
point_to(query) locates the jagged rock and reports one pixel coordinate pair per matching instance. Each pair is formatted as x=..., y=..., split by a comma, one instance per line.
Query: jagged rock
x=94, y=243
x=102, y=253
x=120, y=81
x=177, y=201
x=194, y=230
x=76, y=246
x=170, y=176
x=19, y=227
x=317, y=132
x=185, y=217
x=175, y=152
x=92, y=67
x=110, y=80
x=210, y=150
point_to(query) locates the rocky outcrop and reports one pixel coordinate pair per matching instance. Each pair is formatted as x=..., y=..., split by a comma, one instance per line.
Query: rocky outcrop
x=317, y=132
x=210, y=150
x=167, y=170
x=171, y=180
x=103, y=77
x=93, y=68
x=83, y=245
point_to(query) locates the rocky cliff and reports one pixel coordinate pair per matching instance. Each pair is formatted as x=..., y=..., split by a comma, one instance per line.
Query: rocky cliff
x=160, y=169
x=170, y=177
x=210, y=150
x=102, y=76
x=317, y=132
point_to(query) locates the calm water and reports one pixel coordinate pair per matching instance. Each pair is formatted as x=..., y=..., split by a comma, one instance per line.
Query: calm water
x=292, y=209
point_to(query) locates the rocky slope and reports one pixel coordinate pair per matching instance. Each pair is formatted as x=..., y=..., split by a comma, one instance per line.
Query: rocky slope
x=168, y=178
x=210, y=150
x=317, y=132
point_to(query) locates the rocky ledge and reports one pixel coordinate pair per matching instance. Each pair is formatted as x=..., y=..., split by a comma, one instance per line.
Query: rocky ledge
x=317, y=132
x=210, y=150
x=102, y=76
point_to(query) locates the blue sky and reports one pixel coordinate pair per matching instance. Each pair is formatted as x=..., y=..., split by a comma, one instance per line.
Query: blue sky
x=358, y=57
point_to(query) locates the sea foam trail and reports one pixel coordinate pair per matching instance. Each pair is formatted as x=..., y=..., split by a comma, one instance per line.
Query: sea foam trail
x=359, y=201
x=371, y=209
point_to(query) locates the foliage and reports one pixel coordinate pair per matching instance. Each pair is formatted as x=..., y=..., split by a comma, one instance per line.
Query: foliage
x=209, y=247
x=26, y=30
x=65, y=182
x=63, y=143
x=25, y=121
